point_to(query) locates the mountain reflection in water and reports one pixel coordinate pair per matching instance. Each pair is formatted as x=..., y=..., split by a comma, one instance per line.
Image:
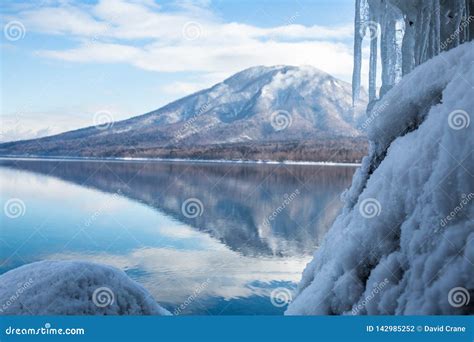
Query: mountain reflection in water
x=256, y=229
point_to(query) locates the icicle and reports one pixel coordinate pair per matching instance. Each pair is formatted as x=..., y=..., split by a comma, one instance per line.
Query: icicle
x=419, y=36
x=436, y=28
x=459, y=16
x=390, y=48
x=425, y=32
x=400, y=31
x=468, y=16
x=372, y=19
x=463, y=16
x=385, y=53
x=357, y=54
x=373, y=69
x=429, y=27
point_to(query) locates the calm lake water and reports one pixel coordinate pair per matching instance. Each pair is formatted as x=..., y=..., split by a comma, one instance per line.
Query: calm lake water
x=202, y=238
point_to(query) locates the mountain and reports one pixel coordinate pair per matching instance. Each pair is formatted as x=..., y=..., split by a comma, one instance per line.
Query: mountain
x=250, y=111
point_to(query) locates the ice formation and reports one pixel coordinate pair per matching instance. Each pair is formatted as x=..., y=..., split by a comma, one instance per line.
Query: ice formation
x=410, y=33
x=73, y=288
x=404, y=242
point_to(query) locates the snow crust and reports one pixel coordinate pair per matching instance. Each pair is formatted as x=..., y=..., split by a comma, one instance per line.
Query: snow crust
x=418, y=172
x=73, y=288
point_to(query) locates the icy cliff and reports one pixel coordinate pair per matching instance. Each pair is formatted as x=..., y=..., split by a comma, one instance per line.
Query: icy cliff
x=404, y=243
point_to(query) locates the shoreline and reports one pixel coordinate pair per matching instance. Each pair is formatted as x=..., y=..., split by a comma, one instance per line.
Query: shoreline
x=178, y=160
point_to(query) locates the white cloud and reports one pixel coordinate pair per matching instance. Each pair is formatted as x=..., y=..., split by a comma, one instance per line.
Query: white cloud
x=62, y=20
x=231, y=275
x=30, y=124
x=178, y=88
x=95, y=52
x=335, y=58
x=141, y=34
x=186, y=37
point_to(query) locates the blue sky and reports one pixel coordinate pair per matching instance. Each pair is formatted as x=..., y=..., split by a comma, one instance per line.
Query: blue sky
x=64, y=61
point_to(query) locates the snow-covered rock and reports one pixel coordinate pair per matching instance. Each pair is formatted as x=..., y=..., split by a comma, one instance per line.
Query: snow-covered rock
x=73, y=288
x=404, y=243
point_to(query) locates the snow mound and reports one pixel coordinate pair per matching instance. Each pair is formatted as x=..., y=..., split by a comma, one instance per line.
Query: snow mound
x=404, y=243
x=73, y=288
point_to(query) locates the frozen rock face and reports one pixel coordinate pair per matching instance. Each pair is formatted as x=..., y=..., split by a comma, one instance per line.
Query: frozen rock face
x=73, y=288
x=404, y=243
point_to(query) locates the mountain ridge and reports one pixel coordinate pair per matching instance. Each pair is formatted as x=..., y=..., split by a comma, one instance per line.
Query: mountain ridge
x=258, y=105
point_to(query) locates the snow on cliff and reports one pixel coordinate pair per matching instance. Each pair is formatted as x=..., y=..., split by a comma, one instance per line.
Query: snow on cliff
x=404, y=243
x=73, y=288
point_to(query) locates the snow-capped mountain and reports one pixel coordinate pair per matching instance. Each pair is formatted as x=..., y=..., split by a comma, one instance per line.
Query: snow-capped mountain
x=259, y=104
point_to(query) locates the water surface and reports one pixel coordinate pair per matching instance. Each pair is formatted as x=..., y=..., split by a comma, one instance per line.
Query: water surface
x=202, y=238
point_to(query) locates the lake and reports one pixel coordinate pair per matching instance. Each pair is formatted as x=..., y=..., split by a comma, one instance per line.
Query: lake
x=203, y=238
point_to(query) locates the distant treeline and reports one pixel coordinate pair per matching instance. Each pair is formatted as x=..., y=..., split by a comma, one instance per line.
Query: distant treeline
x=348, y=150
x=342, y=149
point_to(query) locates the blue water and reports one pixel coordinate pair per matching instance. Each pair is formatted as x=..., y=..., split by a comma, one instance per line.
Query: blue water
x=225, y=258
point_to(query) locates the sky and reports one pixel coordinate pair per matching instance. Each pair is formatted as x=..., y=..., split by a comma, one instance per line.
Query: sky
x=65, y=63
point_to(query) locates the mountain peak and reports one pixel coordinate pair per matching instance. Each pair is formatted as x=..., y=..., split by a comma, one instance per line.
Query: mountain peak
x=260, y=70
x=260, y=104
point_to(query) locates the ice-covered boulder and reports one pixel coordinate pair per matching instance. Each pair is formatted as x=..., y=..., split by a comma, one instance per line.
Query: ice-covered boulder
x=404, y=243
x=73, y=288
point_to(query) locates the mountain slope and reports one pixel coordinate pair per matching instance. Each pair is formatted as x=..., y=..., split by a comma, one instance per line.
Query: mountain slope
x=257, y=105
